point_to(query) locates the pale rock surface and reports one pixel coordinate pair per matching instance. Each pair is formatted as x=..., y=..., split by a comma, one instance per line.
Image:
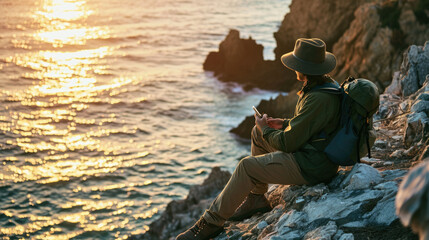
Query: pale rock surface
x=414, y=68
x=362, y=176
x=322, y=233
x=395, y=86
x=363, y=49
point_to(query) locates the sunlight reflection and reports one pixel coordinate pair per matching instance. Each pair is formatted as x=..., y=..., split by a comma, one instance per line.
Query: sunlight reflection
x=61, y=23
x=66, y=10
x=58, y=127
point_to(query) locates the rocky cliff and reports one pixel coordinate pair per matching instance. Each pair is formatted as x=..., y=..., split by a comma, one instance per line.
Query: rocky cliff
x=367, y=37
x=372, y=46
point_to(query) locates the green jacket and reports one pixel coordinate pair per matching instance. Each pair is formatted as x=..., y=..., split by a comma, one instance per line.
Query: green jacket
x=315, y=112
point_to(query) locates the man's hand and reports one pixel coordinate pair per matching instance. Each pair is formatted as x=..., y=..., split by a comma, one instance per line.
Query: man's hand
x=261, y=122
x=276, y=123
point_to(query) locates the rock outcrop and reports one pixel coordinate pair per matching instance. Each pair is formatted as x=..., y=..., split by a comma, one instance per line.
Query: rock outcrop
x=372, y=46
x=323, y=210
x=306, y=212
x=181, y=214
x=241, y=60
x=414, y=69
x=327, y=20
x=365, y=49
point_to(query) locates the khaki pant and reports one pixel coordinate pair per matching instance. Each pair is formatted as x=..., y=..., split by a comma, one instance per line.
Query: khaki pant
x=252, y=174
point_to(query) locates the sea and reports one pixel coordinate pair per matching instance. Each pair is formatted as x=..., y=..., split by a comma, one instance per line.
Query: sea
x=106, y=114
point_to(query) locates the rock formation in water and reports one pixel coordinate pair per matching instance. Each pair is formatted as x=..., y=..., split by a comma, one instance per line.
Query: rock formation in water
x=241, y=60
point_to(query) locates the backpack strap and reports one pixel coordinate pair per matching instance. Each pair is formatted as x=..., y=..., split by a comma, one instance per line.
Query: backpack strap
x=367, y=135
x=332, y=88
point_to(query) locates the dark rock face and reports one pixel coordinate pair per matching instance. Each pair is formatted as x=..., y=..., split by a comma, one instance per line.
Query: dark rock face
x=283, y=106
x=182, y=214
x=241, y=60
x=236, y=56
x=327, y=20
x=414, y=68
x=372, y=46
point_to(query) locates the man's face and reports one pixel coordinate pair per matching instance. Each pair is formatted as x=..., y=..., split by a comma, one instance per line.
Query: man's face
x=300, y=76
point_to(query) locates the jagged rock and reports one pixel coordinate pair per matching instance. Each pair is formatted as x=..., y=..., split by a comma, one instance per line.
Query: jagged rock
x=372, y=45
x=380, y=143
x=309, y=19
x=412, y=199
x=182, y=214
x=349, y=206
x=390, y=106
x=364, y=48
x=322, y=233
x=241, y=60
x=347, y=236
x=362, y=176
x=262, y=225
x=236, y=56
x=383, y=214
x=393, y=175
x=292, y=219
x=420, y=106
x=282, y=106
x=417, y=128
x=414, y=68
x=395, y=85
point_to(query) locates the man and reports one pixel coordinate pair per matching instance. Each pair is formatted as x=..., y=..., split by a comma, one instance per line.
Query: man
x=283, y=151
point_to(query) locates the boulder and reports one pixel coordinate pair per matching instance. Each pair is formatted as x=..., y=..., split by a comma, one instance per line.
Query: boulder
x=417, y=127
x=417, y=122
x=395, y=85
x=414, y=68
x=323, y=232
x=362, y=176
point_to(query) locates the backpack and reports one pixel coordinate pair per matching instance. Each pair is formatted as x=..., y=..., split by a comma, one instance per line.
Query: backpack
x=360, y=99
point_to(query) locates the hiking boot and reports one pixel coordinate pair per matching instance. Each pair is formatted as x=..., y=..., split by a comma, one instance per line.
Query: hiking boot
x=254, y=203
x=202, y=230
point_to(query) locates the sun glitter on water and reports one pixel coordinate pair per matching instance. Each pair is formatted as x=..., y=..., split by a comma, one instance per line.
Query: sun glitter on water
x=66, y=81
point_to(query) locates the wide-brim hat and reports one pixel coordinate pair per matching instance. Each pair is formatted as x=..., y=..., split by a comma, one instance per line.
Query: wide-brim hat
x=310, y=57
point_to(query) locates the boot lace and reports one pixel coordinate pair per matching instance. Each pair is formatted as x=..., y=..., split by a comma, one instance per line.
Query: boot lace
x=198, y=227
